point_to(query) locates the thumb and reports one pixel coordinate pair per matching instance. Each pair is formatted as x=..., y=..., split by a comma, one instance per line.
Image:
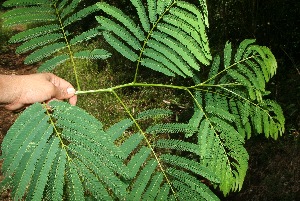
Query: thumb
x=73, y=98
x=60, y=93
x=68, y=93
x=71, y=91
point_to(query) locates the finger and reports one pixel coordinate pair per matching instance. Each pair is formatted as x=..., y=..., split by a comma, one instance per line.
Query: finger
x=73, y=100
x=71, y=91
x=61, y=94
x=14, y=106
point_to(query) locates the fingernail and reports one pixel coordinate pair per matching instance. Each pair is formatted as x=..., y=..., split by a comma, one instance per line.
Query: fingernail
x=71, y=91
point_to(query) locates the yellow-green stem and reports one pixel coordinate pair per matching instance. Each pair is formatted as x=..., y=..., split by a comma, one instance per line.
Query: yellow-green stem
x=57, y=133
x=69, y=48
x=195, y=87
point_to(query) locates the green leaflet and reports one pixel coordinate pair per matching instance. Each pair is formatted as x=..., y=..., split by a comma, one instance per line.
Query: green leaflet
x=44, y=52
x=29, y=18
x=75, y=187
x=201, y=14
x=195, y=119
x=142, y=14
x=55, y=186
x=171, y=128
x=157, y=66
x=206, y=140
x=11, y=3
x=250, y=75
x=153, y=187
x=177, y=63
x=193, y=186
x=67, y=9
x=43, y=168
x=116, y=130
x=62, y=4
x=142, y=180
x=178, y=145
x=241, y=50
x=204, y=11
x=214, y=70
x=33, y=33
x=122, y=48
x=187, y=41
x=162, y=61
x=38, y=42
x=85, y=36
x=152, y=10
x=50, y=64
x=200, y=23
x=80, y=15
x=121, y=17
x=119, y=31
x=25, y=10
x=193, y=166
x=227, y=55
x=26, y=170
x=163, y=5
x=224, y=114
x=94, y=186
x=163, y=192
x=138, y=160
x=185, y=192
x=130, y=144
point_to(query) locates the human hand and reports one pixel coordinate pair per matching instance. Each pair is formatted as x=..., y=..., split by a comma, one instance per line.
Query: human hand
x=18, y=91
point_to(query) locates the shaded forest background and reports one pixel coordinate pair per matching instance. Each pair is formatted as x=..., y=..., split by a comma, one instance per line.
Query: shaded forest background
x=274, y=166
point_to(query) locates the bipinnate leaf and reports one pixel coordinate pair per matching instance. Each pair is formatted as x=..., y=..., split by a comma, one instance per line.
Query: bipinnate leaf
x=60, y=152
x=75, y=153
x=233, y=109
x=43, y=167
x=49, y=41
x=174, y=44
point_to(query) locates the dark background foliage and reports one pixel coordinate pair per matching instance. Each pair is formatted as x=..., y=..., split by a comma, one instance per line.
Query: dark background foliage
x=274, y=166
x=274, y=24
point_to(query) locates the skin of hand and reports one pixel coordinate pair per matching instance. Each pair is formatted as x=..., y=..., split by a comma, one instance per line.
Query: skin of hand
x=18, y=91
